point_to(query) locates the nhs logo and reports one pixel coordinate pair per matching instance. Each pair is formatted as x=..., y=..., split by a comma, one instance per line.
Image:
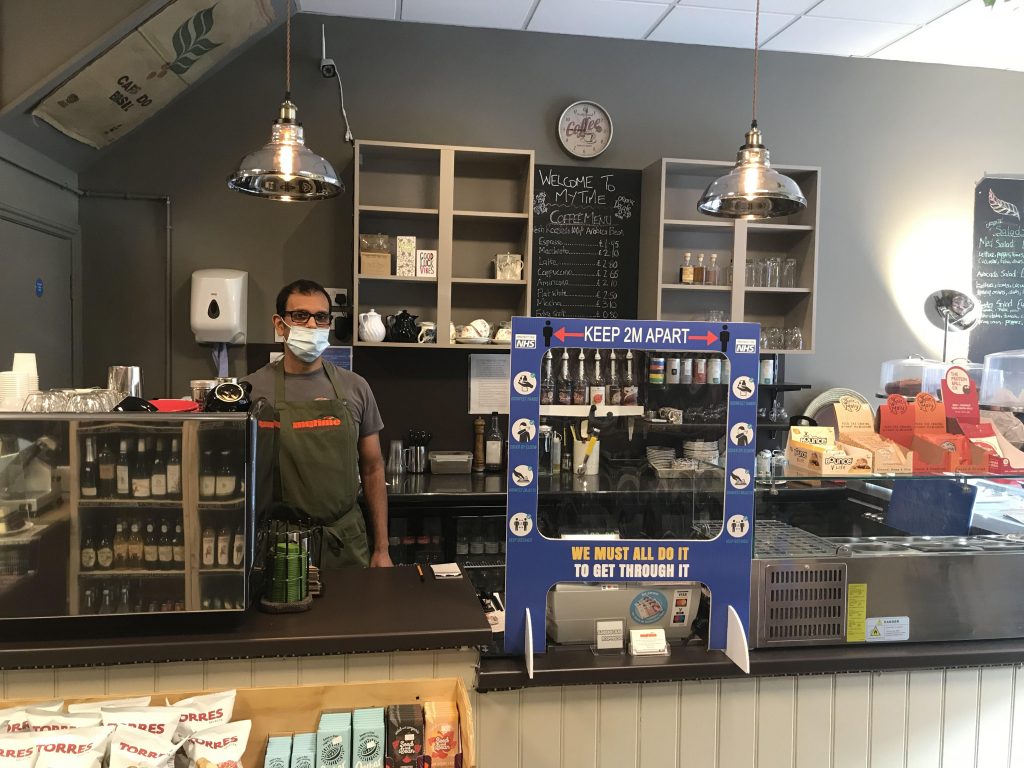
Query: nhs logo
x=526, y=341
x=746, y=346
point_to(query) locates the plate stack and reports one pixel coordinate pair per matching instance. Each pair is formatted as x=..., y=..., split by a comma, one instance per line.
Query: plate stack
x=660, y=457
x=706, y=451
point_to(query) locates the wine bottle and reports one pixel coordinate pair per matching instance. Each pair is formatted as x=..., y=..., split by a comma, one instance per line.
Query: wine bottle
x=581, y=384
x=493, y=443
x=238, y=548
x=123, y=475
x=136, y=546
x=158, y=472
x=547, y=380
x=564, y=383
x=597, y=390
x=124, y=603
x=141, y=478
x=150, y=550
x=224, y=547
x=104, y=551
x=108, y=471
x=106, y=604
x=209, y=547
x=207, y=476
x=87, y=556
x=119, y=549
x=178, y=547
x=90, y=472
x=226, y=482
x=164, y=548
x=174, y=471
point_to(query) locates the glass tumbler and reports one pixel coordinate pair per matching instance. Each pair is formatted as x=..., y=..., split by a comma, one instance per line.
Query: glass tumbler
x=772, y=272
x=788, y=273
x=794, y=338
x=750, y=273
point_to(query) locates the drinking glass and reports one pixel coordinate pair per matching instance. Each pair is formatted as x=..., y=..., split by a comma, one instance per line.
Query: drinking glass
x=55, y=401
x=789, y=273
x=33, y=403
x=762, y=272
x=776, y=339
x=750, y=273
x=794, y=338
x=772, y=271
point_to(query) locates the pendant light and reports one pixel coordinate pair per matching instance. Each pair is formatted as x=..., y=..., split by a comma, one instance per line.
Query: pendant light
x=285, y=168
x=752, y=190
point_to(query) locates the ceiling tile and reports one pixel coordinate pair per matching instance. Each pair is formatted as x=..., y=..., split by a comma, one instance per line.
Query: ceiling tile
x=507, y=14
x=767, y=6
x=370, y=9
x=901, y=12
x=709, y=26
x=836, y=37
x=970, y=36
x=600, y=18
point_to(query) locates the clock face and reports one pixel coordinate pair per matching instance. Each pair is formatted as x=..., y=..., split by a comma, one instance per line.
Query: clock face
x=585, y=129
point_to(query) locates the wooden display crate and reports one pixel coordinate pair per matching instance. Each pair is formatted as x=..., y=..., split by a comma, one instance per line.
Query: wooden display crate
x=297, y=708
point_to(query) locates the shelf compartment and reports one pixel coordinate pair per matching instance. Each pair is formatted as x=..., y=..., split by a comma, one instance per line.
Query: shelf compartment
x=398, y=176
x=807, y=178
x=477, y=241
x=677, y=242
x=491, y=182
x=687, y=287
x=149, y=503
x=693, y=305
x=781, y=310
x=424, y=229
x=778, y=290
x=584, y=410
x=129, y=573
x=494, y=303
x=685, y=182
x=389, y=297
x=697, y=225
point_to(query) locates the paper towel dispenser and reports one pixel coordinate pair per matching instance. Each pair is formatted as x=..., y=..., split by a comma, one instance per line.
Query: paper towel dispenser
x=219, y=305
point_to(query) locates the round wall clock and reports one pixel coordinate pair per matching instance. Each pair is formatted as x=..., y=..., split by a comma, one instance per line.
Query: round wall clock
x=585, y=129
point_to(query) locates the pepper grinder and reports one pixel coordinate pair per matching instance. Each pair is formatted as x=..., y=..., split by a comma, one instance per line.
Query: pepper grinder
x=479, y=425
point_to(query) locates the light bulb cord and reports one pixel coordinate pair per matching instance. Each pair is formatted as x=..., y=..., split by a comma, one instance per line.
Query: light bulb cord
x=757, y=33
x=288, y=51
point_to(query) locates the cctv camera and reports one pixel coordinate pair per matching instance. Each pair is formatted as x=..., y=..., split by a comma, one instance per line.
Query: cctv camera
x=328, y=68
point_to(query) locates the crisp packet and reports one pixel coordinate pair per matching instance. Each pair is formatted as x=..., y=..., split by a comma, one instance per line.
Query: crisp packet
x=96, y=706
x=218, y=747
x=17, y=717
x=132, y=748
x=158, y=721
x=46, y=720
x=77, y=748
x=441, y=734
x=206, y=711
x=17, y=750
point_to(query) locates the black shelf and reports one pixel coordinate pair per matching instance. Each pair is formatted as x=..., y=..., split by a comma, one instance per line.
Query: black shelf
x=783, y=387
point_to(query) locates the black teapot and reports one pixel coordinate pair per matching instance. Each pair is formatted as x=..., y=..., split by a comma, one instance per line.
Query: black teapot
x=402, y=328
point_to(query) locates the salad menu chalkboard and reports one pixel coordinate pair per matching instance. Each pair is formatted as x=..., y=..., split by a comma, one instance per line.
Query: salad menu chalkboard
x=998, y=266
x=586, y=242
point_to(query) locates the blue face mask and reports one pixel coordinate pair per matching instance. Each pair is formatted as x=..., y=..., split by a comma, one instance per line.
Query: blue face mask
x=307, y=344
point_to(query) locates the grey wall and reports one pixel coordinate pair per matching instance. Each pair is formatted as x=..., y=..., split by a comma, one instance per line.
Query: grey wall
x=900, y=145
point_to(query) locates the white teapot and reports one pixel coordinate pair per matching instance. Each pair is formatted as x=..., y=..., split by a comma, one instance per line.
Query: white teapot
x=371, y=326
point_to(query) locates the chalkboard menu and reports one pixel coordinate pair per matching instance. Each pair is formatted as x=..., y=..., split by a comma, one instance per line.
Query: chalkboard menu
x=586, y=242
x=998, y=266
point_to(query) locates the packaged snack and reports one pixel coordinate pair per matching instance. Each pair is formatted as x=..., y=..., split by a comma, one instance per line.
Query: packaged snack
x=132, y=748
x=158, y=721
x=206, y=711
x=17, y=750
x=279, y=752
x=368, y=738
x=441, y=735
x=96, y=706
x=334, y=740
x=17, y=717
x=45, y=720
x=77, y=748
x=303, y=750
x=218, y=747
x=405, y=734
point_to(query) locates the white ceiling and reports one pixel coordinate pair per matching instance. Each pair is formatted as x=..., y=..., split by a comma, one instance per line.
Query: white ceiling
x=957, y=32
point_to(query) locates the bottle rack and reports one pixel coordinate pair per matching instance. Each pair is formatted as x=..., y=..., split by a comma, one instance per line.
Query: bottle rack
x=186, y=587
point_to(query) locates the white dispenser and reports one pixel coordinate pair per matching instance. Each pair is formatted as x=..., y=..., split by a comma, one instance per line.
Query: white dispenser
x=219, y=302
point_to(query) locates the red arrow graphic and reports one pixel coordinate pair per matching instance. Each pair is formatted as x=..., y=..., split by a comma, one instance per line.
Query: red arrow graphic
x=710, y=338
x=561, y=333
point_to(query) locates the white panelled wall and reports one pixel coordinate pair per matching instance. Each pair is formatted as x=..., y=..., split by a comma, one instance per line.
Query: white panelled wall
x=936, y=719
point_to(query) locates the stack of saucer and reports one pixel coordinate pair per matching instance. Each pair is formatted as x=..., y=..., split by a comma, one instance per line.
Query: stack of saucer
x=706, y=451
x=660, y=457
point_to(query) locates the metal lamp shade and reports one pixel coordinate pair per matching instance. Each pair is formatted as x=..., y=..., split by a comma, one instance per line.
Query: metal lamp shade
x=752, y=190
x=285, y=168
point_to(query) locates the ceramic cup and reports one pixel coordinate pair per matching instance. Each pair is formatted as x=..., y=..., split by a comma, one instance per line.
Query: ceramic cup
x=428, y=333
x=478, y=329
x=504, y=333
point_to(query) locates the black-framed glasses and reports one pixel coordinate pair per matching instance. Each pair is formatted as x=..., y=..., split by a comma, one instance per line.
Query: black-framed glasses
x=301, y=317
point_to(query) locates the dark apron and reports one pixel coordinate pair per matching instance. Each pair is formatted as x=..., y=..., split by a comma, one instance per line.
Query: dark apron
x=318, y=458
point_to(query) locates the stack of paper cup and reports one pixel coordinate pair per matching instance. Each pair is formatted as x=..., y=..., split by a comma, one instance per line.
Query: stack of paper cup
x=25, y=363
x=13, y=389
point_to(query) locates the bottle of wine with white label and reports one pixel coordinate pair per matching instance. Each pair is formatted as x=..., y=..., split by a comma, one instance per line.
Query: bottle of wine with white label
x=493, y=444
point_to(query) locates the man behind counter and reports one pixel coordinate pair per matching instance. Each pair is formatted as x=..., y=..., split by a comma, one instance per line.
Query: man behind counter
x=329, y=435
